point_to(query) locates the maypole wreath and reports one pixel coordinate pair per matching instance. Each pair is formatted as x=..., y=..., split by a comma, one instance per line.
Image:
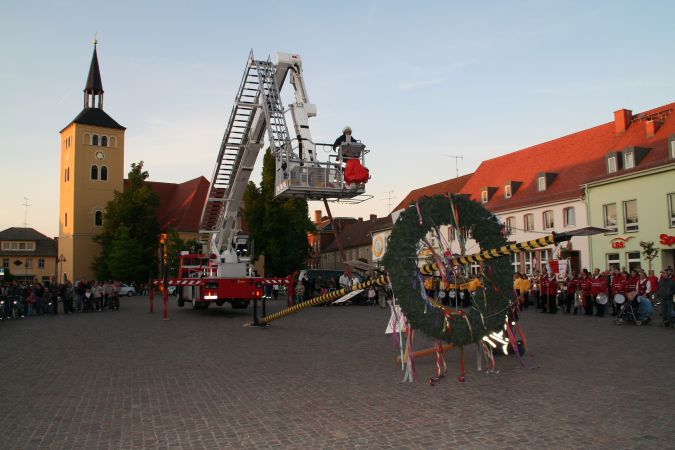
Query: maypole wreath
x=489, y=304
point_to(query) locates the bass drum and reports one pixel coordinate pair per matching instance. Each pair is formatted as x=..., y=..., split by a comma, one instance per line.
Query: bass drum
x=602, y=299
x=619, y=299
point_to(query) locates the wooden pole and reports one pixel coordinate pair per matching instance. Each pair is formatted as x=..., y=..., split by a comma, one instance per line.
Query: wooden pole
x=427, y=351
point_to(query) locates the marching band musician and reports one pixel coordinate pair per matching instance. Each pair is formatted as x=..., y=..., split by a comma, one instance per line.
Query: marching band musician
x=551, y=290
x=525, y=290
x=585, y=286
x=571, y=287
x=536, y=283
x=598, y=286
x=632, y=281
x=618, y=285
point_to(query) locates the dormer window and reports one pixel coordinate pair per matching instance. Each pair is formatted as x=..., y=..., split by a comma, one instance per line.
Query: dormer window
x=611, y=164
x=486, y=193
x=628, y=160
x=507, y=191
x=672, y=148
x=541, y=183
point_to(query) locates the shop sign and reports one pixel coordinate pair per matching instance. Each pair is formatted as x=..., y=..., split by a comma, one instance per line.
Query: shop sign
x=666, y=239
x=618, y=242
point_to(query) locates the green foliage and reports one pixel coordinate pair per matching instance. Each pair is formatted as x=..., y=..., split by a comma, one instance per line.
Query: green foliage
x=488, y=311
x=649, y=252
x=129, y=238
x=278, y=227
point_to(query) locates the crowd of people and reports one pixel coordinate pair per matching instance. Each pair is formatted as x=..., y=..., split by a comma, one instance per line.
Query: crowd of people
x=599, y=293
x=37, y=299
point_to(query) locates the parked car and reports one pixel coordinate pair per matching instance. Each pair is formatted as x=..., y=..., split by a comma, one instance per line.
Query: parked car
x=127, y=290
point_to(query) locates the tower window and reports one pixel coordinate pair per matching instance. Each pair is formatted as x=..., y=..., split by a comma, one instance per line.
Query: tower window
x=98, y=218
x=94, y=172
x=87, y=138
x=104, y=141
x=104, y=173
x=65, y=220
x=94, y=139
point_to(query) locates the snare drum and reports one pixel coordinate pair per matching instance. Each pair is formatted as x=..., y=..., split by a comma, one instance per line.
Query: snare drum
x=602, y=299
x=619, y=299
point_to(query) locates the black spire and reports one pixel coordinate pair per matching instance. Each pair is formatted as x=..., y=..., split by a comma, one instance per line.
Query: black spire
x=93, y=91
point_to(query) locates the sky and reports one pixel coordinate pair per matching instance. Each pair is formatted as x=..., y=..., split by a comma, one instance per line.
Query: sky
x=418, y=82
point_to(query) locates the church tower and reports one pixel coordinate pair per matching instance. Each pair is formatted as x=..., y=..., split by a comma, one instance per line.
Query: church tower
x=92, y=169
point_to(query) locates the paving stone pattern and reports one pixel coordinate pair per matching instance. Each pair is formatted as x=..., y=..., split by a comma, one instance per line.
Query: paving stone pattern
x=323, y=378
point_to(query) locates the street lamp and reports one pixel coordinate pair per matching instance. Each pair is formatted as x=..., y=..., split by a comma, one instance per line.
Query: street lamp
x=61, y=260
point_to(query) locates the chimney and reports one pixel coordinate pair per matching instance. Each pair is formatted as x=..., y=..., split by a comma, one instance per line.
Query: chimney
x=652, y=126
x=360, y=219
x=317, y=215
x=622, y=120
x=373, y=217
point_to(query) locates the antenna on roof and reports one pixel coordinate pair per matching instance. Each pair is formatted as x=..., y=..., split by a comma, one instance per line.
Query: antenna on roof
x=457, y=158
x=25, y=214
x=389, y=199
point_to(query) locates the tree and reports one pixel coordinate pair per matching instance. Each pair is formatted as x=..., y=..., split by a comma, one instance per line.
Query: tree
x=129, y=239
x=649, y=252
x=278, y=227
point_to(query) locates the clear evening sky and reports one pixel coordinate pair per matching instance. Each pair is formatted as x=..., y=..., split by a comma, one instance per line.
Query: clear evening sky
x=417, y=81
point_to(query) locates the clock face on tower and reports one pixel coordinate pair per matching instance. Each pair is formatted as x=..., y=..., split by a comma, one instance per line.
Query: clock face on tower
x=100, y=155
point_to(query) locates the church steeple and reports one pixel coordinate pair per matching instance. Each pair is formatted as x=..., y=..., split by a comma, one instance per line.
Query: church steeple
x=93, y=91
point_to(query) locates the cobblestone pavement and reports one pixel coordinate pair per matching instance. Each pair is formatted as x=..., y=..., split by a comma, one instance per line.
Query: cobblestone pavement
x=323, y=378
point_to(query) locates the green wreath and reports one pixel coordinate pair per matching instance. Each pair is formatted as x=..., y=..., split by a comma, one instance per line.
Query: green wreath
x=489, y=304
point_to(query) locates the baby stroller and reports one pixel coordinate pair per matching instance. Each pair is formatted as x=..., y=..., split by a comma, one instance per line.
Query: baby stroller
x=628, y=310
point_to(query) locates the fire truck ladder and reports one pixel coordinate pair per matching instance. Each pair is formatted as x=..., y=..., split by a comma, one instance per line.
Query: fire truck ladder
x=232, y=153
x=277, y=128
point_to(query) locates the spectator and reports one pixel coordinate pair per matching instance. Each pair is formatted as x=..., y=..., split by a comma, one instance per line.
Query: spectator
x=645, y=307
x=665, y=294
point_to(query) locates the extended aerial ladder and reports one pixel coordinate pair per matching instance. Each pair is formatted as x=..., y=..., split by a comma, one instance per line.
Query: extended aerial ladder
x=258, y=111
x=258, y=108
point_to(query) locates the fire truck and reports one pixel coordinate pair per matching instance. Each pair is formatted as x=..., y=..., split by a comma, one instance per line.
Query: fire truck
x=223, y=271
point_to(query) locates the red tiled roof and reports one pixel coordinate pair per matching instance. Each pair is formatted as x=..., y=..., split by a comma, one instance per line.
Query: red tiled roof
x=180, y=204
x=444, y=187
x=358, y=233
x=574, y=159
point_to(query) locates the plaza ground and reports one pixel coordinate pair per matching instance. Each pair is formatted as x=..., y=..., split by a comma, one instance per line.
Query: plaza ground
x=323, y=378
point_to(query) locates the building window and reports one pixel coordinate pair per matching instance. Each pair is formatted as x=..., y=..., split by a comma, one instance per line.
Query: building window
x=507, y=191
x=528, y=262
x=541, y=183
x=569, y=219
x=30, y=246
x=609, y=220
x=65, y=220
x=671, y=209
x=5, y=246
x=628, y=160
x=94, y=172
x=104, y=141
x=515, y=262
x=545, y=257
x=611, y=164
x=633, y=260
x=630, y=216
x=510, y=224
x=22, y=246
x=613, y=261
x=41, y=263
x=104, y=173
x=94, y=139
x=484, y=196
x=475, y=268
x=548, y=220
x=29, y=263
x=672, y=149
x=98, y=218
x=5, y=263
x=528, y=220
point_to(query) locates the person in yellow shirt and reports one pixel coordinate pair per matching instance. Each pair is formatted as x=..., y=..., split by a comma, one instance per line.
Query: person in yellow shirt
x=525, y=290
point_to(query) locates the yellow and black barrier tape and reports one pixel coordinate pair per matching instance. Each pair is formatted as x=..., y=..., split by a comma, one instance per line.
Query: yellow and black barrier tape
x=379, y=281
x=505, y=250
